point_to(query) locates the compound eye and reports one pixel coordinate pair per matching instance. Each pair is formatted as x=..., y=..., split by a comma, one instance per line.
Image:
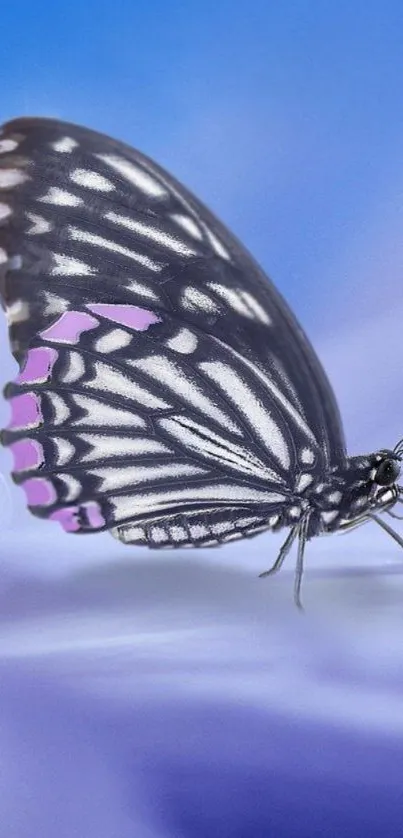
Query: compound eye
x=387, y=472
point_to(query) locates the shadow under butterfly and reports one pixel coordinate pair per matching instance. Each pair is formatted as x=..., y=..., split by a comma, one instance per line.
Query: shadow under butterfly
x=166, y=392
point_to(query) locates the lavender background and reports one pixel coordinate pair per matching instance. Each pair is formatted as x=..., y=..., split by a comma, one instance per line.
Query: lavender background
x=145, y=696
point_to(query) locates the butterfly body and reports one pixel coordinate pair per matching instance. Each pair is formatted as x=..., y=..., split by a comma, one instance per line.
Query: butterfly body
x=166, y=392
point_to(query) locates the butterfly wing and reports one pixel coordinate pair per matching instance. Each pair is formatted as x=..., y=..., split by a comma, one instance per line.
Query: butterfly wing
x=162, y=374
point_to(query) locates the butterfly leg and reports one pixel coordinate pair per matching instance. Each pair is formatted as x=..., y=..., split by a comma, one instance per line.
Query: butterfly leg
x=299, y=570
x=285, y=549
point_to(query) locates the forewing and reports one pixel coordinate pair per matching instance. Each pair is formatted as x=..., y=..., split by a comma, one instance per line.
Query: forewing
x=138, y=319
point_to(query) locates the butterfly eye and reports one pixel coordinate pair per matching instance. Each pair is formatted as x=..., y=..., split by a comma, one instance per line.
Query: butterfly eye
x=387, y=472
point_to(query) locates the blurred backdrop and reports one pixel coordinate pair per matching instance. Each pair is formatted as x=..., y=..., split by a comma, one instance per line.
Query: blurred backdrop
x=144, y=697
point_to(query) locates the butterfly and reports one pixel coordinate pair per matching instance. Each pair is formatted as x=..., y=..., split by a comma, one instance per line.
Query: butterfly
x=166, y=391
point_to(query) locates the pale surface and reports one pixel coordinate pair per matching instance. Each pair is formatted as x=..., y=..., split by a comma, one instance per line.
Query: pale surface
x=139, y=691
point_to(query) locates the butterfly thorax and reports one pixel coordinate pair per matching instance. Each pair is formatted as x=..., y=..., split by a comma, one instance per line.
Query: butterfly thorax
x=351, y=491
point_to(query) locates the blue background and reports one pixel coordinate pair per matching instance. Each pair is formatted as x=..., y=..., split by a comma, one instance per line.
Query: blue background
x=148, y=697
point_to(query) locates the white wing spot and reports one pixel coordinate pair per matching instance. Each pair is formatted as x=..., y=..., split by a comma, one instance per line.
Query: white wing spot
x=65, y=451
x=91, y=180
x=8, y=145
x=68, y=266
x=232, y=297
x=184, y=342
x=120, y=477
x=188, y=225
x=54, y=304
x=113, y=340
x=39, y=224
x=328, y=517
x=11, y=177
x=275, y=363
x=105, y=446
x=100, y=415
x=158, y=534
x=303, y=482
x=149, y=232
x=72, y=485
x=221, y=526
x=108, y=379
x=75, y=368
x=178, y=533
x=194, y=300
x=143, y=290
x=17, y=312
x=198, y=531
x=334, y=497
x=5, y=211
x=241, y=301
x=134, y=175
x=307, y=456
x=60, y=198
x=217, y=245
x=258, y=310
x=65, y=145
x=60, y=409
x=99, y=241
x=248, y=521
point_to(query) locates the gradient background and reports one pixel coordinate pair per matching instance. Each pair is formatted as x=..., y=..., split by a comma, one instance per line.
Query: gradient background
x=149, y=697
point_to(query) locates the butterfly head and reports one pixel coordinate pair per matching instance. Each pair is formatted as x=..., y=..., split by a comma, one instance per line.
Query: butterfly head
x=388, y=472
x=376, y=489
x=387, y=468
x=384, y=476
x=383, y=486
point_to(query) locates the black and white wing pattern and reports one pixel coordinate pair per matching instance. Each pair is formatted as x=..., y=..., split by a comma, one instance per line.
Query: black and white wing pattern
x=166, y=391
